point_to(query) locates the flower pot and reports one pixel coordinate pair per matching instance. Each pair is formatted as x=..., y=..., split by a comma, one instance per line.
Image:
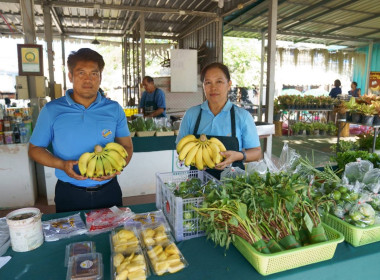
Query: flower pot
x=277, y=117
x=316, y=132
x=300, y=132
x=356, y=118
x=376, y=120
x=308, y=132
x=348, y=116
x=342, y=116
x=322, y=132
x=367, y=120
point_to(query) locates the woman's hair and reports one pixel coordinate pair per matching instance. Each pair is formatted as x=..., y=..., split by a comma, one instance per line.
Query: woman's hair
x=84, y=54
x=219, y=65
x=355, y=83
x=337, y=83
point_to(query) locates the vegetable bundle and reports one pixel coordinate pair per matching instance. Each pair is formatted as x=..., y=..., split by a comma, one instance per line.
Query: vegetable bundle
x=272, y=212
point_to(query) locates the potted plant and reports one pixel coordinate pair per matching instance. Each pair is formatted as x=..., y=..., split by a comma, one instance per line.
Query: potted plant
x=331, y=128
x=297, y=128
x=308, y=128
x=352, y=108
x=322, y=128
x=368, y=112
x=376, y=118
x=276, y=110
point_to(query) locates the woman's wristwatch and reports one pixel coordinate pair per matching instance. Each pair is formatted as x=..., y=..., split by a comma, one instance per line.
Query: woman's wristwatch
x=244, y=156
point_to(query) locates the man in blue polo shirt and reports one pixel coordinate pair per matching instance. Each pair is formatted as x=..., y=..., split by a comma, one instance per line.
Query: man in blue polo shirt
x=152, y=100
x=74, y=124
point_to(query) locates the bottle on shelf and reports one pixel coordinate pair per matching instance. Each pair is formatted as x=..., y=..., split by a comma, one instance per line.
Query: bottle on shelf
x=16, y=134
x=24, y=137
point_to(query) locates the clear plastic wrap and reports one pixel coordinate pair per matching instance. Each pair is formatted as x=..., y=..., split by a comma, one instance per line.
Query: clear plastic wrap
x=355, y=171
x=124, y=239
x=85, y=267
x=66, y=227
x=106, y=219
x=232, y=172
x=372, y=177
x=129, y=264
x=287, y=162
x=78, y=248
x=256, y=166
x=141, y=219
x=5, y=240
x=165, y=258
x=362, y=214
x=155, y=234
x=162, y=124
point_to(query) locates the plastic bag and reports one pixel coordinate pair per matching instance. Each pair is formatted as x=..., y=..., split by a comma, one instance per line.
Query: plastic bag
x=5, y=240
x=138, y=220
x=106, y=219
x=256, y=166
x=162, y=124
x=66, y=227
x=362, y=214
x=232, y=172
x=355, y=171
x=287, y=162
x=372, y=177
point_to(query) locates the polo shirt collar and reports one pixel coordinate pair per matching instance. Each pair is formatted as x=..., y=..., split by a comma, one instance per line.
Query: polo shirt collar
x=71, y=101
x=227, y=106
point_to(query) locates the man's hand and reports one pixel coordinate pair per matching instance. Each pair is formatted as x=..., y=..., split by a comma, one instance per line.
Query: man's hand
x=68, y=167
x=108, y=177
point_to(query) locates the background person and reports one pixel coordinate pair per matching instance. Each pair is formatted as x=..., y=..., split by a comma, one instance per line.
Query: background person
x=336, y=89
x=355, y=91
x=74, y=124
x=218, y=117
x=153, y=99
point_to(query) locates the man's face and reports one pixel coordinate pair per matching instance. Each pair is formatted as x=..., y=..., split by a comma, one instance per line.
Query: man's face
x=149, y=87
x=86, y=78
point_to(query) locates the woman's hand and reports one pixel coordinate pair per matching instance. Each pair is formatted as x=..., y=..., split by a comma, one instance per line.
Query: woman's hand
x=107, y=177
x=230, y=157
x=68, y=167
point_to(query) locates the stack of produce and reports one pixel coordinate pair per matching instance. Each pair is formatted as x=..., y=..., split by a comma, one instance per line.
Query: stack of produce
x=272, y=212
x=103, y=162
x=200, y=152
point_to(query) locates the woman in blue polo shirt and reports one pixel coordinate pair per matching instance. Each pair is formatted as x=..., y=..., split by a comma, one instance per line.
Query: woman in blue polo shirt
x=218, y=117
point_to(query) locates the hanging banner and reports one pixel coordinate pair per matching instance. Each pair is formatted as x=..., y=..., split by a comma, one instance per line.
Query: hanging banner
x=374, y=83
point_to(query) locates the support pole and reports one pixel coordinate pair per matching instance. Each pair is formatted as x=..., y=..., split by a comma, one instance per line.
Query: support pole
x=261, y=91
x=63, y=62
x=49, y=46
x=142, y=43
x=369, y=61
x=271, y=65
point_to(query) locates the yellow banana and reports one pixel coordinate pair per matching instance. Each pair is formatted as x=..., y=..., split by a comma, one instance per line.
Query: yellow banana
x=217, y=142
x=108, y=170
x=91, y=167
x=199, y=159
x=83, y=161
x=186, y=149
x=99, y=170
x=118, y=148
x=207, y=158
x=215, y=152
x=184, y=141
x=115, y=165
x=117, y=157
x=191, y=155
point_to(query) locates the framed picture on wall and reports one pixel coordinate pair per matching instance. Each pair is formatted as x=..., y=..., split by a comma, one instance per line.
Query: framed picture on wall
x=30, y=60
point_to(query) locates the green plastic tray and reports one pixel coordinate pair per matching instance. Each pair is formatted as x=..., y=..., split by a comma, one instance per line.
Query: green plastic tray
x=267, y=264
x=356, y=236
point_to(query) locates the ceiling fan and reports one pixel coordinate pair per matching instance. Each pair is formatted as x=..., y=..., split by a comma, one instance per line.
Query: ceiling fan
x=95, y=19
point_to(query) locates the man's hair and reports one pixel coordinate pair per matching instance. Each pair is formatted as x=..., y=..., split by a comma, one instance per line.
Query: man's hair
x=337, y=83
x=84, y=54
x=218, y=65
x=149, y=79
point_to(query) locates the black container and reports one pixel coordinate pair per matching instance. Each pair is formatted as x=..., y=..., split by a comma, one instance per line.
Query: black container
x=367, y=120
x=276, y=117
x=376, y=120
x=348, y=116
x=356, y=118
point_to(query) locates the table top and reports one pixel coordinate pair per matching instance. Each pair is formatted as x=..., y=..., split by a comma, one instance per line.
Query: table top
x=206, y=260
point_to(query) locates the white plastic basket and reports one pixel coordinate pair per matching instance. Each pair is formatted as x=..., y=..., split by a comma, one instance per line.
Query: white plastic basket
x=174, y=207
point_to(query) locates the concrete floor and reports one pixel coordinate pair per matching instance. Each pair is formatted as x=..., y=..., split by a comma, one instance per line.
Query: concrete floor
x=316, y=148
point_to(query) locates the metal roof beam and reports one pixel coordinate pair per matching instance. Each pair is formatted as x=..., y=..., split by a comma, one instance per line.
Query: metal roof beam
x=132, y=8
x=193, y=28
x=330, y=10
x=227, y=26
x=351, y=24
x=56, y=20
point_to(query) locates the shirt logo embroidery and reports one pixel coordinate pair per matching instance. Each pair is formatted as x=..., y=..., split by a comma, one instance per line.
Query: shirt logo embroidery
x=106, y=133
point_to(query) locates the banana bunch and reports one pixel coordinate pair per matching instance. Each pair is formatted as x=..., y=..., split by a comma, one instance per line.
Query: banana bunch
x=103, y=161
x=201, y=152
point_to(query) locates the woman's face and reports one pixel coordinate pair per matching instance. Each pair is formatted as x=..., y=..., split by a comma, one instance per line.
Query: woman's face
x=216, y=86
x=353, y=86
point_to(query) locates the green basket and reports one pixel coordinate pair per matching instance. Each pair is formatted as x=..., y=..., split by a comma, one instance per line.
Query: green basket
x=267, y=264
x=356, y=236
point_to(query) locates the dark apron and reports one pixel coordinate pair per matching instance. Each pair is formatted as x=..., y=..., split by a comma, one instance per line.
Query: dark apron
x=151, y=106
x=230, y=142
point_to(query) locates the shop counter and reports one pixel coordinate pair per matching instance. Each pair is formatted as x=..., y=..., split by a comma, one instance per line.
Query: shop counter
x=206, y=260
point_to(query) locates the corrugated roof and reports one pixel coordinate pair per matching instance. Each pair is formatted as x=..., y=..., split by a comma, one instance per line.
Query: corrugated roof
x=352, y=22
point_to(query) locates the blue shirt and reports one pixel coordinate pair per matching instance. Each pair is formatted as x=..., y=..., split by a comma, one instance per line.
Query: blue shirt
x=72, y=130
x=159, y=99
x=335, y=91
x=220, y=125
